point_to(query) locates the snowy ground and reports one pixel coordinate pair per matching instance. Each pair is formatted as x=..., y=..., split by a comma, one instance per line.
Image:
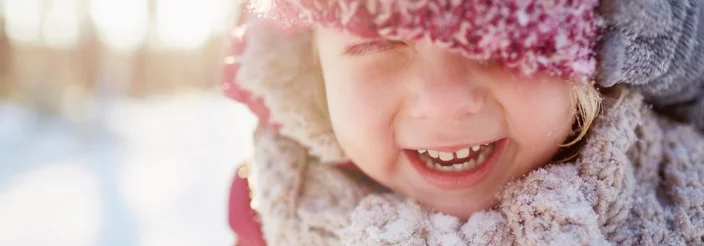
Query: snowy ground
x=146, y=172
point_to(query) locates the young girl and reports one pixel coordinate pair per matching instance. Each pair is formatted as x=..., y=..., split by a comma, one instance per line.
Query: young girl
x=452, y=123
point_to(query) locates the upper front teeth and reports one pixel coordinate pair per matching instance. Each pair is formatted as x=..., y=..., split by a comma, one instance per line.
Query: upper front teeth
x=433, y=153
x=447, y=156
x=446, y=162
x=463, y=153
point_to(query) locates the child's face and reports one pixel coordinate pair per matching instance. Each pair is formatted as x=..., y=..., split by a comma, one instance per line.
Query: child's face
x=399, y=107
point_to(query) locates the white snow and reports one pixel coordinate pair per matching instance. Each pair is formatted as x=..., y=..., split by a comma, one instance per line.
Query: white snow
x=60, y=202
x=445, y=223
x=148, y=172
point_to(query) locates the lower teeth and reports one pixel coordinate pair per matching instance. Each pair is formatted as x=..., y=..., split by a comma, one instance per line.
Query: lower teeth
x=461, y=167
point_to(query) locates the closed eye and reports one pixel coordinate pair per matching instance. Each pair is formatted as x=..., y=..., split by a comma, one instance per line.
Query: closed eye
x=373, y=46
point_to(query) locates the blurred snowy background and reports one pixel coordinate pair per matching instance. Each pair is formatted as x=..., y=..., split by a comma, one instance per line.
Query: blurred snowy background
x=112, y=128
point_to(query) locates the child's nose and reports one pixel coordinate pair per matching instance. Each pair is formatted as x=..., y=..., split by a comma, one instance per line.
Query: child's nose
x=445, y=88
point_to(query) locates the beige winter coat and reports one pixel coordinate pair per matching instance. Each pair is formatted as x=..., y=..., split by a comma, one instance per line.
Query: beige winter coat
x=638, y=181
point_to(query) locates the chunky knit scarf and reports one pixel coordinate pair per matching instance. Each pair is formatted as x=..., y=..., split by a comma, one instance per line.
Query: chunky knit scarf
x=639, y=181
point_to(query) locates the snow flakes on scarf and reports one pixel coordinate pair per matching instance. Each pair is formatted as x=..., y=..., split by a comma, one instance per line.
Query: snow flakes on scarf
x=612, y=194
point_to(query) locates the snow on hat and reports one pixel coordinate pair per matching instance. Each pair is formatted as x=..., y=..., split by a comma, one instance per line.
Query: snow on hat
x=278, y=77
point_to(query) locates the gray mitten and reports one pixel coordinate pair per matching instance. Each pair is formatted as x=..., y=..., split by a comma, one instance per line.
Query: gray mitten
x=656, y=47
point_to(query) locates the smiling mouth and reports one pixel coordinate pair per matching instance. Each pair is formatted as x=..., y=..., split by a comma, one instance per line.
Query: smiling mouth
x=462, y=160
x=451, y=169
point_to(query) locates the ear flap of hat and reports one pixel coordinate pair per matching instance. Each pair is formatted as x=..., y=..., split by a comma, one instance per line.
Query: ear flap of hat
x=276, y=73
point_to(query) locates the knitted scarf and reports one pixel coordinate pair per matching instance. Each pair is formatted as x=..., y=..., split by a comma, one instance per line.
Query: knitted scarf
x=638, y=181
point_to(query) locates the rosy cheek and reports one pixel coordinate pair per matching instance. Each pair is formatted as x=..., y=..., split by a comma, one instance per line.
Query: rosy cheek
x=358, y=106
x=539, y=112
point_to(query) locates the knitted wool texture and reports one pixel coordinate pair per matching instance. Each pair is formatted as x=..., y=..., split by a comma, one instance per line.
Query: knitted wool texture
x=527, y=36
x=637, y=182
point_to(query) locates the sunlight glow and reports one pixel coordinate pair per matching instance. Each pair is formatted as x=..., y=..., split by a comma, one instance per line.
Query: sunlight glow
x=122, y=24
x=61, y=27
x=188, y=24
x=24, y=19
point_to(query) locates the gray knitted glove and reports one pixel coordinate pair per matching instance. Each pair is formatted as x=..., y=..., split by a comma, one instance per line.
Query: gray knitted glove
x=656, y=47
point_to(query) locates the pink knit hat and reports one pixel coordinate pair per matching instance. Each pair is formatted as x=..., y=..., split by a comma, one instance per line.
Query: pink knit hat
x=277, y=77
x=557, y=36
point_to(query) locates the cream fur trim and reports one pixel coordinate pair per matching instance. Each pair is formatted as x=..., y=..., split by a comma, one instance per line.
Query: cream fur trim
x=282, y=69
